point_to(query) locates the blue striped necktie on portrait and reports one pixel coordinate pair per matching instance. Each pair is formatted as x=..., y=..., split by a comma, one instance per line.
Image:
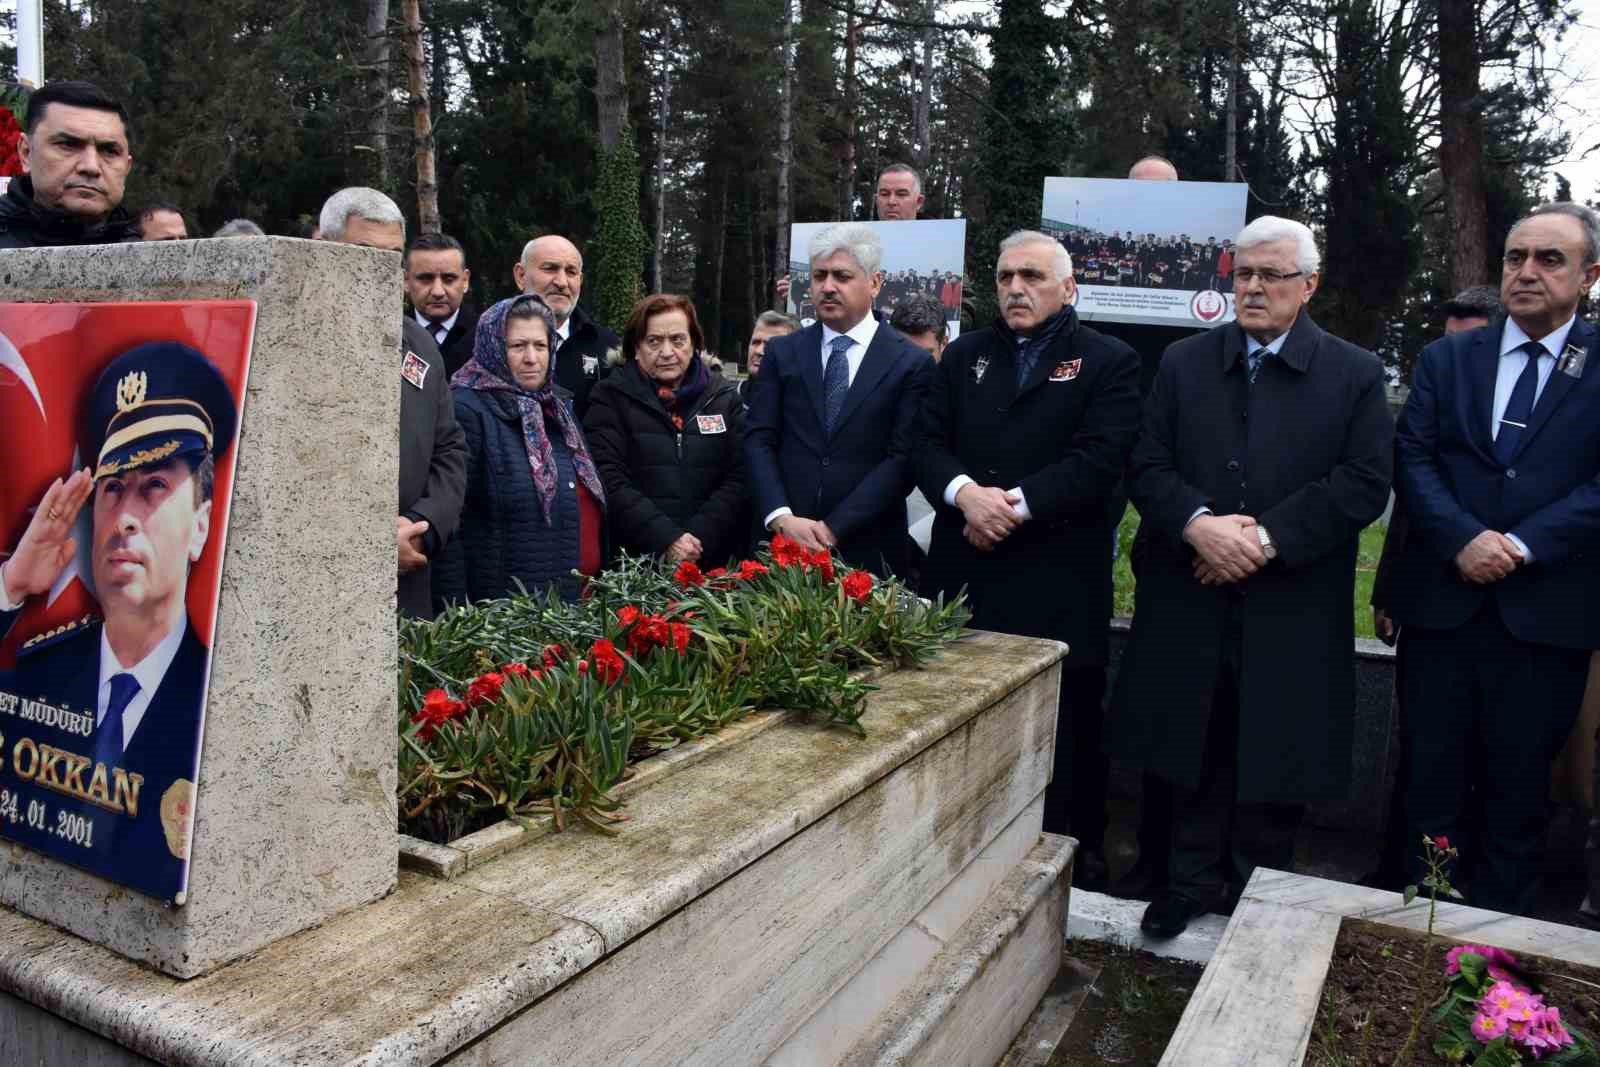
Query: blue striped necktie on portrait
x=108, y=739
x=1254, y=361
x=1519, y=406
x=836, y=379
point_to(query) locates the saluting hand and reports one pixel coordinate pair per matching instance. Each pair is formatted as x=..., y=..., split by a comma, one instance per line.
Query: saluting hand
x=1228, y=548
x=47, y=546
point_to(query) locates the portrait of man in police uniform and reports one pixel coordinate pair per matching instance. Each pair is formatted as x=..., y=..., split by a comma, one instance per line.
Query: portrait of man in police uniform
x=157, y=419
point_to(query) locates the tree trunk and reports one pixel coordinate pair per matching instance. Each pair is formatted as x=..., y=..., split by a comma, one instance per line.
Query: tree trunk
x=780, y=239
x=421, y=120
x=438, y=67
x=720, y=257
x=662, y=114
x=1461, y=143
x=611, y=81
x=847, y=149
x=1230, y=146
x=376, y=60
x=922, y=112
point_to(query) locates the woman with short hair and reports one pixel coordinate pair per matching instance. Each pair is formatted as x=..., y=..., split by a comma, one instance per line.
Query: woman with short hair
x=668, y=438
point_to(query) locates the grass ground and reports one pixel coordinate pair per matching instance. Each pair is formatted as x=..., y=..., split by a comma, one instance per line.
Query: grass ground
x=1366, y=567
x=1131, y=1010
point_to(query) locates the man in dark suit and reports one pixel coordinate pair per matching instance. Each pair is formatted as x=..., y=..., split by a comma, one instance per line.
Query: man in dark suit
x=433, y=450
x=834, y=416
x=1029, y=423
x=436, y=285
x=552, y=267
x=1500, y=473
x=126, y=692
x=1266, y=450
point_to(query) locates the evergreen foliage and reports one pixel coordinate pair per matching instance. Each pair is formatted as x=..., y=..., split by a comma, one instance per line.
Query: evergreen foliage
x=621, y=245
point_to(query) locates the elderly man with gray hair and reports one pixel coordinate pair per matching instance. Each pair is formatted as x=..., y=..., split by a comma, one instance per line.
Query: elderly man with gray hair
x=1266, y=450
x=433, y=450
x=1029, y=425
x=835, y=414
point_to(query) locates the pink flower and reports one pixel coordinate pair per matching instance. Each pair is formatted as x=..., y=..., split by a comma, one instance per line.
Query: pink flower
x=1442, y=843
x=1545, y=1032
x=1499, y=960
x=1488, y=1027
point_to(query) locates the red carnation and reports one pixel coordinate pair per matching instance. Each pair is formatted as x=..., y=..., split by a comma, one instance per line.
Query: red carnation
x=608, y=662
x=1442, y=843
x=437, y=709
x=786, y=553
x=627, y=616
x=688, y=573
x=821, y=559
x=485, y=689
x=652, y=632
x=750, y=568
x=857, y=586
x=517, y=670
x=553, y=654
x=716, y=572
x=680, y=637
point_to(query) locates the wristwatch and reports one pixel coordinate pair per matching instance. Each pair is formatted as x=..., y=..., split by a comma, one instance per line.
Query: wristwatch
x=1269, y=549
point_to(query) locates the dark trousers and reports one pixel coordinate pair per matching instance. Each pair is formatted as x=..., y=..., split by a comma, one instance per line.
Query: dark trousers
x=1215, y=839
x=1476, y=695
x=1075, y=800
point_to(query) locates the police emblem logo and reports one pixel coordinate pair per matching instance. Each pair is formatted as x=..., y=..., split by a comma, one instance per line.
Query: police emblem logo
x=414, y=369
x=1066, y=370
x=980, y=367
x=710, y=424
x=131, y=390
x=591, y=366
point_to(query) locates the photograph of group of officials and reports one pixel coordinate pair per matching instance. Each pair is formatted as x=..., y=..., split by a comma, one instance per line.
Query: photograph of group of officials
x=1148, y=260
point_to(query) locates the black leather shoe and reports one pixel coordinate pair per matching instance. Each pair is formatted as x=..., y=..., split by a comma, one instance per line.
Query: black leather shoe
x=1089, y=870
x=1169, y=914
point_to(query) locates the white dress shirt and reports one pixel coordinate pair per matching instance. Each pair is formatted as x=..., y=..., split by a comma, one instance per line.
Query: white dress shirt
x=434, y=328
x=862, y=334
x=148, y=672
x=1512, y=364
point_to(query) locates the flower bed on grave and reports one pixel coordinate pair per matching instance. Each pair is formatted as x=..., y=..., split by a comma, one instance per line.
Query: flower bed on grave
x=529, y=707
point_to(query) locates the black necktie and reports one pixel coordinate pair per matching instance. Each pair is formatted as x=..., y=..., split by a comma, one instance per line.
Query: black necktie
x=836, y=379
x=1519, y=408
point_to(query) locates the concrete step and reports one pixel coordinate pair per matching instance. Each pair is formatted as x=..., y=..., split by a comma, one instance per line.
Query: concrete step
x=1051, y=1020
x=979, y=992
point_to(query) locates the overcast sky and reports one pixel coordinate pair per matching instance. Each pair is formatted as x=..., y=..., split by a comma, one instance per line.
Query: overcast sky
x=1578, y=108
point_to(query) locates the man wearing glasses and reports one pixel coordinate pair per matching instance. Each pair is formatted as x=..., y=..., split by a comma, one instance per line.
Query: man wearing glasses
x=1265, y=451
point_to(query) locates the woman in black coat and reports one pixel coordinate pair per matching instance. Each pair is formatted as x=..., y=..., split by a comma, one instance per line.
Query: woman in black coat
x=668, y=437
x=535, y=505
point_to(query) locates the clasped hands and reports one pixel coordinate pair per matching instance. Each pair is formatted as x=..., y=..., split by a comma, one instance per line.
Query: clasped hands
x=1488, y=558
x=1227, y=548
x=990, y=513
x=810, y=534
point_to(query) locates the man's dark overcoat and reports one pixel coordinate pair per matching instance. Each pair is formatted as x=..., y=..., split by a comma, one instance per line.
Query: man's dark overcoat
x=1306, y=450
x=1063, y=437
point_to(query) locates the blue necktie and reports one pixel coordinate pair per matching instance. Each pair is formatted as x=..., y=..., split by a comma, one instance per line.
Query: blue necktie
x=108, y=739
x=836, y=379
x=1255, y=359
x=1519, y=408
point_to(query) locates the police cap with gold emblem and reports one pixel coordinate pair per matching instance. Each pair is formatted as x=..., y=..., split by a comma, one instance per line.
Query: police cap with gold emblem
x=156, y=402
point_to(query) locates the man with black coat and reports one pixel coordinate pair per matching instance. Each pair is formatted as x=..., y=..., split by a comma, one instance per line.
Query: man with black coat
x=1265, y=452
x=436, y=286
x=433, y=450
x=552, y=267
x=835, y=416
x=1029, y=424
x=75, y=161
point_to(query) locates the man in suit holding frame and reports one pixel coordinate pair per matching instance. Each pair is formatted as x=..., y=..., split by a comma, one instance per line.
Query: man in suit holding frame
x=834, y=418
x=1500, y=473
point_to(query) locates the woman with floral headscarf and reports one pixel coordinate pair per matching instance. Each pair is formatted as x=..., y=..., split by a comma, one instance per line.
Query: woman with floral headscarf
x=535, y=506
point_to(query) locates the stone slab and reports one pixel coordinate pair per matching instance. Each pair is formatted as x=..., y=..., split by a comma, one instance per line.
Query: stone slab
x=1099, y=917
x=1257, y=1001
x=850, y=1013
x=31, y=1037
x=423, y=972
x=1050, y=1021
x=980, y=990
x=295, y=808
x=769, y=946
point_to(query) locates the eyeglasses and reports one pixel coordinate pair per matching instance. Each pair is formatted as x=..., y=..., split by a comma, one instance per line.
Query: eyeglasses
x=1246, y=275
x=654, y=341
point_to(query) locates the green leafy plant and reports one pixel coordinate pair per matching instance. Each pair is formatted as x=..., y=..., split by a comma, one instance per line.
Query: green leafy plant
x=529, y=706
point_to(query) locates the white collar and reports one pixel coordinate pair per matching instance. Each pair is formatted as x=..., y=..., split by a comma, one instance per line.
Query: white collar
x=564, y=329
x=148, y=671
x=1513, y=337
x=429, y=325
x=1275, y=346
x=861, y=333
